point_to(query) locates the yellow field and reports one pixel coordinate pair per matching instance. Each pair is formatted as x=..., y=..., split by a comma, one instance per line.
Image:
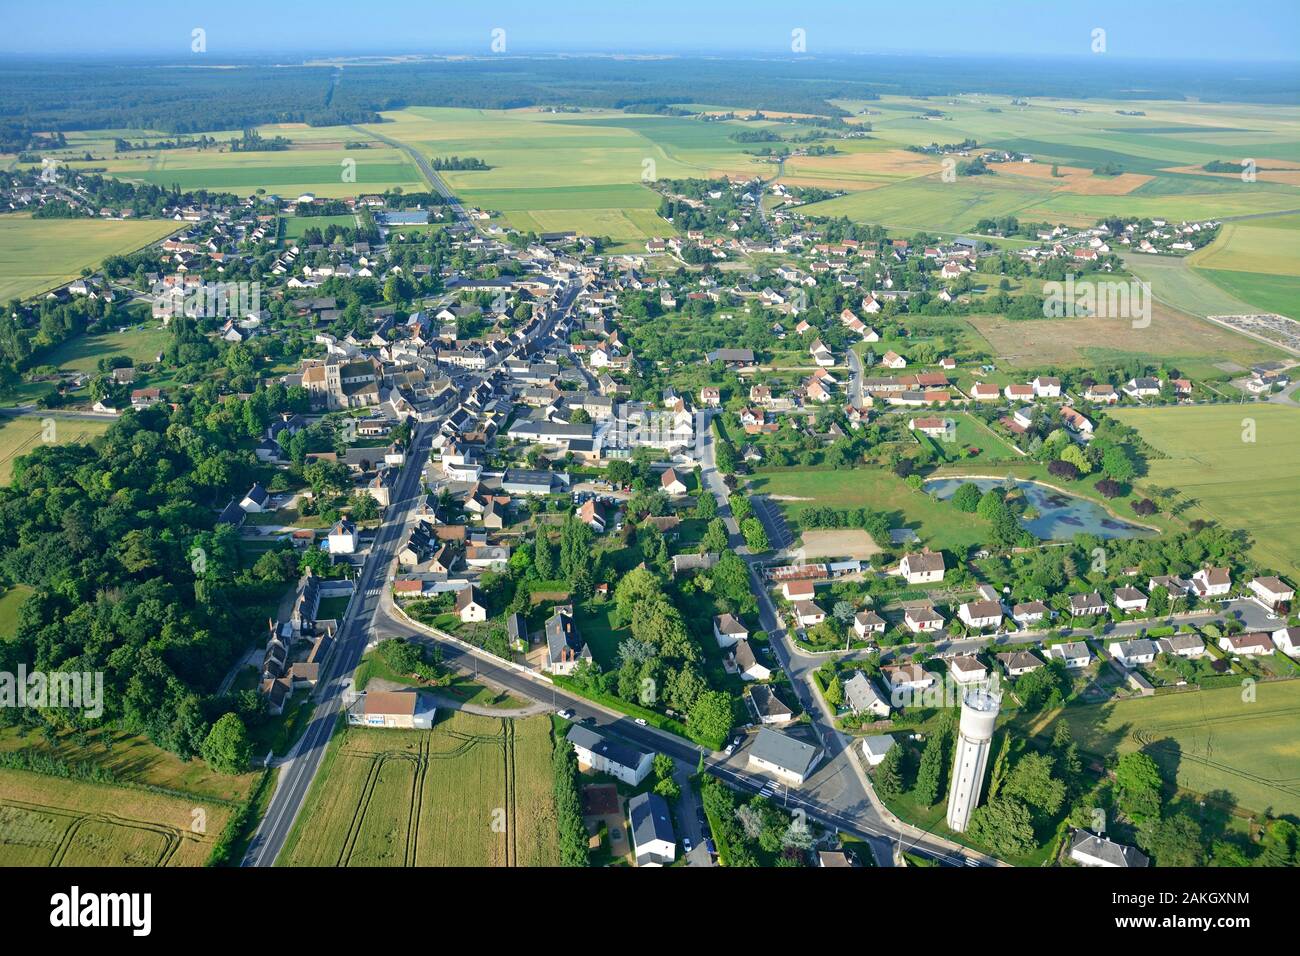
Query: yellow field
x=1259, y=245
x=474, y=791
x=38, y=254
x=21, y=435
x=49, y=821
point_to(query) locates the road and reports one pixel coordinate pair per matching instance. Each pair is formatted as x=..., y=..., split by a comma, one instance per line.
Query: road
x=427, y=170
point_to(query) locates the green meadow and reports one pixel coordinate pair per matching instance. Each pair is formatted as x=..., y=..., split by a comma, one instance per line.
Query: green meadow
x=38, y=254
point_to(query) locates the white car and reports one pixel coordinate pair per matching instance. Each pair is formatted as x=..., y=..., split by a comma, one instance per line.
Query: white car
x=641, y=721
x=566, y=714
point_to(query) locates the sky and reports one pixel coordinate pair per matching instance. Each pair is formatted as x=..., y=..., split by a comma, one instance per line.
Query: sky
x=1233, y=30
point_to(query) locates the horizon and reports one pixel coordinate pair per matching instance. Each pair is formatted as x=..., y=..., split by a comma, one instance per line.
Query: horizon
x=1266, y=33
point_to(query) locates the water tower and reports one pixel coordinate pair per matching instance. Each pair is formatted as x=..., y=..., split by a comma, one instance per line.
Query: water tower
x=979, y=715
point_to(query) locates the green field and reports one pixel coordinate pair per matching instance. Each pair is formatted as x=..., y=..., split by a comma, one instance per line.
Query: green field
x=82, y=353
x=474, y=791
x=1241, y=484
x=38, y=254
x=1206, y=741
x=938, y=524
x=1267, y=293
x=295, y=226
x=10, y=601
x=23, y=434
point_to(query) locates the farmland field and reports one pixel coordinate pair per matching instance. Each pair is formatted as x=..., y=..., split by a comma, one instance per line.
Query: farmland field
x=21, y=435
x=82, y=353
x=1205, y=740
x=1239, y=483
x=474, y=791
x=39, y=254
x=50, y=821
x=1257, y=261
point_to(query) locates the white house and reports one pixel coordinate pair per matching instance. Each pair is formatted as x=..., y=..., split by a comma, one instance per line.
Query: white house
x=967, y=670
x=747, y=663
x=1046, y=386
x=1212, y=582
x=671, y=484
x=788, y=758
x=342, y=538
x=1248, y=645
x=1017, y=663
x=1189, y=646
x=1073, y=654
x=862, y=697
x=924, y=567
x=1130, y=599
x=1287, y=640
x=922, y=620
x=470, y=606
x=1088, y=849
x=1134, y=652
x=727, y=630
x=876, y=748
x=868, y=622
x=1087, y=605
x=1272, y=591
x=604, y=755
x=799, y=590
x=650, y=823
x=808, y=614
x=258, y=499
x=1030, y=612
x=980, y=614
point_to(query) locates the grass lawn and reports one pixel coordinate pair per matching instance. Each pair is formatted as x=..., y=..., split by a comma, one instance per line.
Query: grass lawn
x=1205, y=741
x=474, y=791
x=24, y=434
x=1241, y=484
x=938, y=524
x=39, y=254
x=10, y=601
x=82, y=353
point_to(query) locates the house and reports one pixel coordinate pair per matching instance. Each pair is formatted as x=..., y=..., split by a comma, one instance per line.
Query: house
x=606, y=755
x=1020, y=393
x=1086, y=605
x=790, y=759
x=522, y=481
x=565, y=647
x=922, y=568
x=967, y=670
x=1248, y=644
x=727, y=630
x=934, y=427
x=671, y=484
x=257, y=499
x=342, y=538
x=1088, y=849
x=1142, y=387
x=1130, y=599
x=469, y=605
x=1174, y=587
x=876, y=748
x=1076, y=421
x=402, y=709
x=1030, y=612
x=808, y=614
x=868, y=622
x=650, y=824
x=1287, y=640
x=767, y=707
x=907, y=677
x=1046, y=386
x=861, y=696
x=746, y=663
x=1073, y=654
x=980, y=614
x=1101, y=393
x=922, y=620
x=800, y=589
x=1016, y=663
x=985, y=392
x=1189, y=646
x=710, y=397
x=1212, y=582
x=517, y=630
x=1272, y=591
x=892, y=359
x=592, y=514
x=1134, y=652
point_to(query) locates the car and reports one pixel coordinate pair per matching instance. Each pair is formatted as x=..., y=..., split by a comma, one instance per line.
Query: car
x=738, y=741
x=565, y=714
x=641, y=721
x=686, y=844
x=730, y=749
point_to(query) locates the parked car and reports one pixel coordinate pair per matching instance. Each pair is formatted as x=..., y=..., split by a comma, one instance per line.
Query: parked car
x=641, y=721
x=686, y=844
x=566, y=714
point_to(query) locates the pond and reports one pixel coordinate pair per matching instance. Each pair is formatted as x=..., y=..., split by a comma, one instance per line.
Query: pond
x=1060, y=516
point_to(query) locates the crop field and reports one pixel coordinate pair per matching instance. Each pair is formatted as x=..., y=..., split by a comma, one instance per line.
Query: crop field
x=1196, y=345
x=23, y=434
x=295, y=226
x=50, y=821
x=1160, y=156
x=1205, y=741
x=38, y=254
x=474, y=791
x=1239, y=483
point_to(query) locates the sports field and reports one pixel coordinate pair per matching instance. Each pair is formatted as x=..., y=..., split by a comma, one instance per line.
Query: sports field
x=23, y=434
x=49, y=821
x=1206, y=741
x=1239, y=483
x=38, y=254
x=474, y=791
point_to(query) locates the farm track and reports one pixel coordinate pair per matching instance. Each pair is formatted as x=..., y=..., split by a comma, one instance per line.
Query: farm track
x=511, y=807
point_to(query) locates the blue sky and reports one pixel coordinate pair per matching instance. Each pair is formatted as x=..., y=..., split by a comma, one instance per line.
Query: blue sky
x=1250, y=30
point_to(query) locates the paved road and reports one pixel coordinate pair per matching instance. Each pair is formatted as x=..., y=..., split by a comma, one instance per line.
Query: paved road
x=427, y=170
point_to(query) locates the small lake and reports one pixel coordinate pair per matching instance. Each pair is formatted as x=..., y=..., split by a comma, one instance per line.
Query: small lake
x=1060, y=516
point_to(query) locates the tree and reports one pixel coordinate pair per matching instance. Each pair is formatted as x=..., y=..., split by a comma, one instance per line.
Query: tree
x=1031, y=780
x=543, y=557
x=710, y=718
x=1063, y=469
x=227, y=748
x=1075, y=456
x=1117, y=465
x=835, y=692
x=706, y=506
x=1109, y=489
x=715, y=536
x=1004, y=826
x=889, y=774
x=928, y=777
x=755, y=535
x=1175, y=841
x=1137, y=779
x=967, y=498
